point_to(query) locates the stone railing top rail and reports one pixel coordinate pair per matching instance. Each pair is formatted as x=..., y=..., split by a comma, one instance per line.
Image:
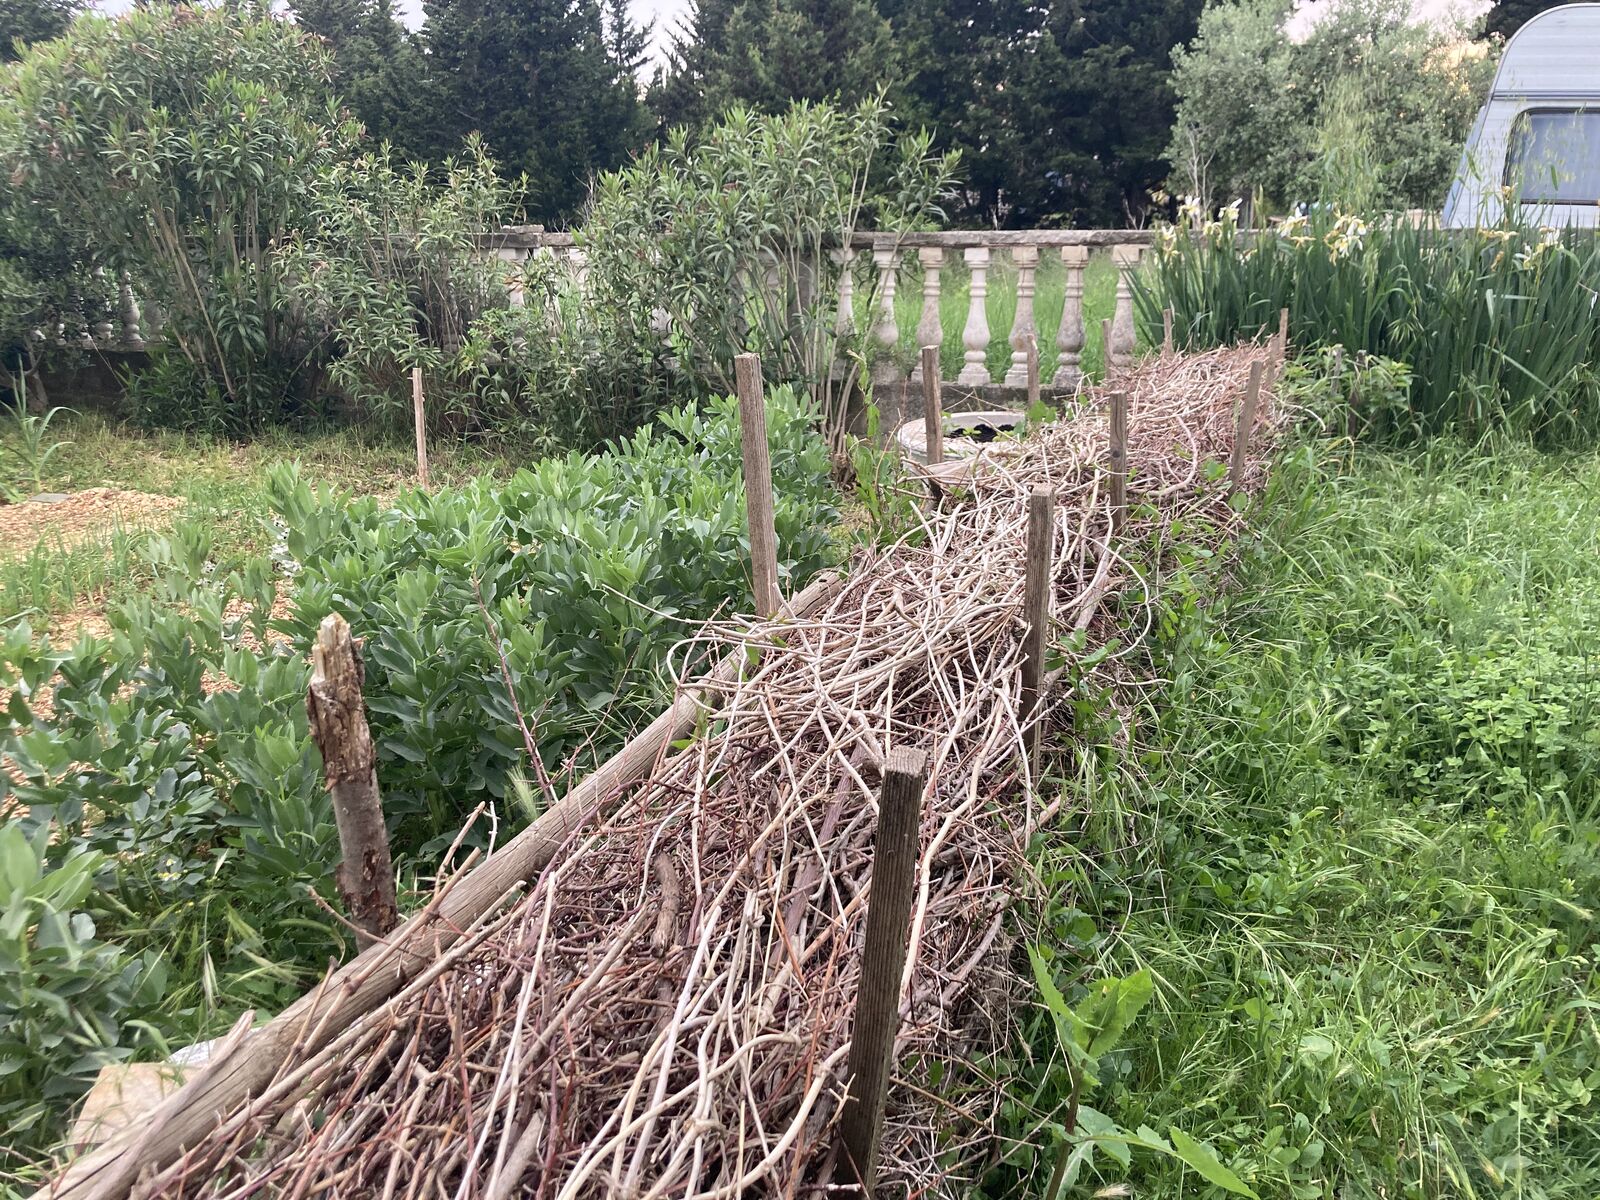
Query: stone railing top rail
x=532, y=237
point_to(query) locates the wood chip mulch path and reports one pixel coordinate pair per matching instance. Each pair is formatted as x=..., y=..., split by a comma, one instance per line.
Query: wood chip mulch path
x=76, y=517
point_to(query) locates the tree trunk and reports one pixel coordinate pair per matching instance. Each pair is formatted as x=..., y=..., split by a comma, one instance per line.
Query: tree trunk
x=349, y=762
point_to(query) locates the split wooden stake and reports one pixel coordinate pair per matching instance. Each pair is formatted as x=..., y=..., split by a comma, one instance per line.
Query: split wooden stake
x=1247, y=425
x=883, y=960
x=757, y=484
x=1036, y=612
x=1166, y=331
x=1117, y=466
x=1283, y=335
x=422, y=426
x=338, y=719
x=932, y=406
x=1033, y=372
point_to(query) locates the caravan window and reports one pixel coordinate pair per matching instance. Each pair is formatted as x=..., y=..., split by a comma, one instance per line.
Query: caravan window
x=1554, y=157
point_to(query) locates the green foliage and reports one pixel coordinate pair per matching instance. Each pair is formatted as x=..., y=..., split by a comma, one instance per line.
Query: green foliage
x=699, y=252
x=379, y=70
x=65, y=994
x=1353, y=840
x=1304, y=96
x=181, y=142
x=386, y=269
x=25, y=22
x=24, y=452
x=173, y=756
x=550, y=602
x=1495, y=325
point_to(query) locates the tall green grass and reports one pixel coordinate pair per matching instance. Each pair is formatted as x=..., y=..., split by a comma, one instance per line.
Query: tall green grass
x=1354, y=833
x=1500, y=327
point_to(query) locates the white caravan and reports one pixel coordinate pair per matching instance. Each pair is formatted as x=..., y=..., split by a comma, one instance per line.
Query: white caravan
x=1537, y=140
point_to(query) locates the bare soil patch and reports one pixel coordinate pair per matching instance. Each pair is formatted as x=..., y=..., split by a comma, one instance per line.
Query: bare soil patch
x=76, y=517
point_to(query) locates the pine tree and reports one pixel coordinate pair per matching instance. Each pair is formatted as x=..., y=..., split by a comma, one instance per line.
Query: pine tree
x=546, y=82
x=378, y=68
x=30, y=21
x=1505, y=17
x=766, y=54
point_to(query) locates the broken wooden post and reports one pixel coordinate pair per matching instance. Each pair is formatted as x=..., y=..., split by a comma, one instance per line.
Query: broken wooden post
x=932, y=407
x=1247, y=424
x=757, y=484
x=1033, y=372
x=422, y=426
x=1166, y=331
x=1117, y=456
x=1036, y=613
x=338, y=720
x=883, y=959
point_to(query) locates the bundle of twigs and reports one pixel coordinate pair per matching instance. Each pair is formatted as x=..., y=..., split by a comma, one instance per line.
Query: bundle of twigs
x=667, y=1009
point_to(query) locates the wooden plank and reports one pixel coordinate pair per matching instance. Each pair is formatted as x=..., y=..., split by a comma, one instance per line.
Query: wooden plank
x=757, y=483
x=883, y=960
x=932, y=406
x=1036, y=611
x=421, y=419
x=376, y=974
x=1117, y=458
x=1246, y=426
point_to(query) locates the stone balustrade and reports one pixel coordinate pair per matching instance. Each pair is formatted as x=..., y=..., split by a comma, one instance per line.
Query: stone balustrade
x=879, y=263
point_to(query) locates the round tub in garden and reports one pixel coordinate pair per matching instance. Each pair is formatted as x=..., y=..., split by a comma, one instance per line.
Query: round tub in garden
x=965, y=434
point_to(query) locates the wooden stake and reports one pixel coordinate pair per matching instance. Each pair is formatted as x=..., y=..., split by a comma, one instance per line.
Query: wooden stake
x=1166, y=331
x=422, y=426
x=1033, y=372
x=1036, y=612
x=1105, y=345
x=1283, y=335
x=757, y=484
x=1247, y=425
x=338, y=720
x=883, y=960
x=1117, y=459
x=932, y=406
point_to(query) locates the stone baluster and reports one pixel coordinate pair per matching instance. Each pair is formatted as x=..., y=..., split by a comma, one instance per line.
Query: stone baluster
x=1126, y=259
x=1023, y=329
x=975, y=336
x=844, y=321
x=1069, y=337
x=930, y=329
x=128, y=304
x=103, y=331
x=513, y=259
x=886, y=332
x=578, y=264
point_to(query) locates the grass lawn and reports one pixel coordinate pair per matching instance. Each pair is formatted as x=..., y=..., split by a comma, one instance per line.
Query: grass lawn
x=1354, y=835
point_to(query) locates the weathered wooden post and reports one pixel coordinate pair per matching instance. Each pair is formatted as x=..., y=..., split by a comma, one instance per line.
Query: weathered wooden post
x=422, y=426
x=1117, y=451
x=338, y=720
x=1166, y=331
x=932, y=408
x=1036, y=612
x=1247, y=424
x=883, y=960
x=757, y=483
x=1033, y=372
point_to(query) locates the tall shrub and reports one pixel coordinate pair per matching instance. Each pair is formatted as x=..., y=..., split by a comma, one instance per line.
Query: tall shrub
x=181, y=141
x=1500, y=327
